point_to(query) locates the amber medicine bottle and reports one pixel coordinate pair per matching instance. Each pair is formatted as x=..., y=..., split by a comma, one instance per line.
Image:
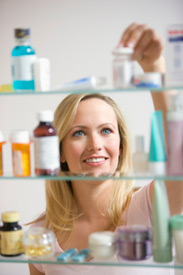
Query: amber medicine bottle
x=11, y=234
x=46, y=145
x=20, y=140
x=1, y=152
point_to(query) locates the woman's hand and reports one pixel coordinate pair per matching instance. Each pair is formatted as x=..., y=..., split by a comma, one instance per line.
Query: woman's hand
x=147, y=47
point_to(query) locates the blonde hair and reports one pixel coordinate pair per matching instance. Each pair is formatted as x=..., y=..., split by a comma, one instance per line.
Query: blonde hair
x=61, y=211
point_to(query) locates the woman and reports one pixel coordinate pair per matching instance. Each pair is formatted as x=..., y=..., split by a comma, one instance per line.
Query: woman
x=94, y=140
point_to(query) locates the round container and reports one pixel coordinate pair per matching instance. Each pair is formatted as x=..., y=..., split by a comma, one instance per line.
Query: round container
x=39, y=243
x=123, y=67
x=1, y=152
x=134, y=242
x=20, y=140
x=176, y=223
x=102, y=245
x=11, y=234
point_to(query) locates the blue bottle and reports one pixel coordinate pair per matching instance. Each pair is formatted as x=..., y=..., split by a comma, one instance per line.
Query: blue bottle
x=23, y=57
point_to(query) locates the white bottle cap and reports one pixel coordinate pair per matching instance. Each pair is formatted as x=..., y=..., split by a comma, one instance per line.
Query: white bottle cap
x=20, y=136
x=123, y=51
x=1, y=137
x=139, y=143
x=45, y=116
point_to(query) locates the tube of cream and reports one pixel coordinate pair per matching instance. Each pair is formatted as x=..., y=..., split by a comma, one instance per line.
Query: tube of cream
x=162, y=244
x=157, y=156
x=87, y=83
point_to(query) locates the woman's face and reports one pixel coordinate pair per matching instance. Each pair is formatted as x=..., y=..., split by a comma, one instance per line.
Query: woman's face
x=92, y=145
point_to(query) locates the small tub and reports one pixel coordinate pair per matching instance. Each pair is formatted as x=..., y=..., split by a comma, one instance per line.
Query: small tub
x=134, y=242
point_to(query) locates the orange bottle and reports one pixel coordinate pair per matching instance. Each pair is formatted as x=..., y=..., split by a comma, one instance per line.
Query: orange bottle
x=1, y=153
x=20, y=140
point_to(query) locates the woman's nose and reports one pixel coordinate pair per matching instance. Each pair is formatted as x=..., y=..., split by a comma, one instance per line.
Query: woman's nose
x=94, y=143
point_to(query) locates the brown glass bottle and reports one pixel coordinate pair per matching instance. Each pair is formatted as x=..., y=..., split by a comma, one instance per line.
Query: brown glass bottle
x=11, y=235
x=46, y=146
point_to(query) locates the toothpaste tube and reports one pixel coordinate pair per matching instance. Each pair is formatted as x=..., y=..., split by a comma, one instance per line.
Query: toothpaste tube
x=87, y=83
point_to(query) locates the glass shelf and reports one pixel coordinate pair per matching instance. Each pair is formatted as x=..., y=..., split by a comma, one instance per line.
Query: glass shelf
x=101, y=90
x=149, y=263
x=69, y=177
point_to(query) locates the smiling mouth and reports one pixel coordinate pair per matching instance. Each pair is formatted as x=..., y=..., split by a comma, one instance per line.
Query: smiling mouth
x=95, y=160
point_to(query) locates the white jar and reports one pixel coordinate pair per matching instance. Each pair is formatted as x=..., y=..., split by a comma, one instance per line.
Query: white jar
x=123, y=67
x=102, y=245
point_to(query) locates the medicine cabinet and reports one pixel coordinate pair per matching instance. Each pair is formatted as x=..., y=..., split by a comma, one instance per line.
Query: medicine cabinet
x=145, y=263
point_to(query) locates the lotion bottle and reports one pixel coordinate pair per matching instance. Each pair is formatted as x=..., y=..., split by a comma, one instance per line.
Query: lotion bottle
x=175, y=136
x=140, y=157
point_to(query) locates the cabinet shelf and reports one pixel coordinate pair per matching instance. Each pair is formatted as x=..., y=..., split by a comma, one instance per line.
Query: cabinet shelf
x=149, y=263
x=103, y=90
x=70, y=177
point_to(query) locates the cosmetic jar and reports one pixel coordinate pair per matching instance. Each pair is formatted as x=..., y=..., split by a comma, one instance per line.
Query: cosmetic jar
x=134, y=242
x=123, y=67
x=102, y=245
x=39, y=243
x=176, y=223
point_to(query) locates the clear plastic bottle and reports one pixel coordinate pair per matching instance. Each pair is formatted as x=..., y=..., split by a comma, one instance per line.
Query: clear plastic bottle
x=23, y=57
x=46, y=142
x=140, y=157
x=123, y=67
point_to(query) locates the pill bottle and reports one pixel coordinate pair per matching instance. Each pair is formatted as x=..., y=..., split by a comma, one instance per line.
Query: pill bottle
x=123, y=67
x=2, y=142
x=46, y=145
x=20, y=140
x=11, y=234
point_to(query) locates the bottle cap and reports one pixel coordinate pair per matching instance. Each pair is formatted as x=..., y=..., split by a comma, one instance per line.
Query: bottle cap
x=45, y=116
x=102, y=238
x=123, y=51
x=20, y=136
x=11, y=216
x=22, y=33
x=176, y=222
x=1, y=137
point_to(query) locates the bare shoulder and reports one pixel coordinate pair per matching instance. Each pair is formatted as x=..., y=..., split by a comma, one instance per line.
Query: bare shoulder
x=34, y=271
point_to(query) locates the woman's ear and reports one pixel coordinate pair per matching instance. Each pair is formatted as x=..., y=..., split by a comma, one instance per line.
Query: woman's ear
x=62, y=158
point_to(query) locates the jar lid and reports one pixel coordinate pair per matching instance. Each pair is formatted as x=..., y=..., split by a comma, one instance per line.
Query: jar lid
x=11, y=216
x=123, y=51
x=22, y=33
x=1, y=137
x=102, y=238
x=134, y=233
x=20, y=136
x=176, y=222
x=45, y=116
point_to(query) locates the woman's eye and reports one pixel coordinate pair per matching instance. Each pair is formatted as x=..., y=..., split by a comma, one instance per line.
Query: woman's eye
x=78, y=133
x=106, y=131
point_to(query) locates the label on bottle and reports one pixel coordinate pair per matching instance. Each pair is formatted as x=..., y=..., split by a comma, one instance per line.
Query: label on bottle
x=47, y=152
x=22, y=67
x=122, y=74
x=11, y=242
x=21, y=163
